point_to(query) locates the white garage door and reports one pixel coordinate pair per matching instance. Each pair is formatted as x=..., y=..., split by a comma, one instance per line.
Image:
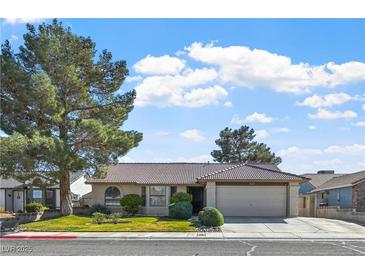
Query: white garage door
x=264, y=201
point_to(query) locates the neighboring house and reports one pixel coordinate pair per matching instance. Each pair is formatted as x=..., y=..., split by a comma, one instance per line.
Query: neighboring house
x=306, y=197
x=235, y=189
x=14, y=195
x=346, y=191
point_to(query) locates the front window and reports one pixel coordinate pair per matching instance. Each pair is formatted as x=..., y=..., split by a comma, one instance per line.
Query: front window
x=37, y=196
x=157, y=196
x=143, y=195
x=112, y=196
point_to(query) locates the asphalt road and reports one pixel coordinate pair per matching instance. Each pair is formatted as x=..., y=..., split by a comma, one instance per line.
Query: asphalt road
x=180, y=247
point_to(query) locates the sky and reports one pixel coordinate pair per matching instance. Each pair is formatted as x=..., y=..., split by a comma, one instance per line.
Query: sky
x=300, y=83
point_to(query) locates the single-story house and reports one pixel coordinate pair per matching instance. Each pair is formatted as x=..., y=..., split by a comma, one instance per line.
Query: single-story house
x=235, y=189
x=346, y=191
x=14, y=195
x=306, y=197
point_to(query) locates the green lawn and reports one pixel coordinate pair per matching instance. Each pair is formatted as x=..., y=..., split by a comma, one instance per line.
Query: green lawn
x=135, y=224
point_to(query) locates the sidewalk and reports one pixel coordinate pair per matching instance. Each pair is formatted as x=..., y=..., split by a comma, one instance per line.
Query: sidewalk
x=182, y=235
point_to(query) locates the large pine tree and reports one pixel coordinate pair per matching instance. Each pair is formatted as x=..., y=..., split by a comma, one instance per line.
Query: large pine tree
x=239, y=146
x=61, y=108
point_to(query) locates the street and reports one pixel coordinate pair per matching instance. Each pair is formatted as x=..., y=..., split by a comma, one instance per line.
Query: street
x=123, y=247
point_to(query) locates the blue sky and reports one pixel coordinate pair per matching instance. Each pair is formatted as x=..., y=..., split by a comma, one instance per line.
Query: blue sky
x=299, y=83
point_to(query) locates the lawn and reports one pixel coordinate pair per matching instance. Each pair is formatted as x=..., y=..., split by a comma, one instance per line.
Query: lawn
x=135, y=224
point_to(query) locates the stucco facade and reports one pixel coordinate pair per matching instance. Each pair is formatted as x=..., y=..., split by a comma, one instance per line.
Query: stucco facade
x=210, y=194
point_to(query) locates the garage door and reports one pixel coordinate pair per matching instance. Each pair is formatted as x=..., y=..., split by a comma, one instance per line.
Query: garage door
x=264, y=201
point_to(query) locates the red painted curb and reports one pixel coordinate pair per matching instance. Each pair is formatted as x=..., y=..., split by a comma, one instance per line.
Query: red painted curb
x=38, y=237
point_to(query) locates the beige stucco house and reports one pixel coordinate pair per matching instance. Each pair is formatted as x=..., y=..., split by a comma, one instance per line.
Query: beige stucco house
x=235, y=189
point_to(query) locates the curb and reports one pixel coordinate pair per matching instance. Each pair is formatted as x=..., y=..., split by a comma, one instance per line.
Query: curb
x=38, y=237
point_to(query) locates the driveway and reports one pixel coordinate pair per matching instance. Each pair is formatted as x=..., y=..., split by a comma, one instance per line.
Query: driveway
x=298, y=227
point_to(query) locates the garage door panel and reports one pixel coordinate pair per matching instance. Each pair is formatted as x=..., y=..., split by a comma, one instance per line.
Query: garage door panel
x=263, y=201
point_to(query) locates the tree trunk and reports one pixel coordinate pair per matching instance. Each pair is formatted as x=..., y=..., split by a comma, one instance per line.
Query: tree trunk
x=65, y=193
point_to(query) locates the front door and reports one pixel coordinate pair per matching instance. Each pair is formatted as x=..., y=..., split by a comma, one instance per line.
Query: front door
x=198, y=198
x=18, y=200
x=49, y=199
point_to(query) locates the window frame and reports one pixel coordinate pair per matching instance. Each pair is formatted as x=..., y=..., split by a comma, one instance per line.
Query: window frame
x=143, y=196
x=163, y=196
x=105, y=197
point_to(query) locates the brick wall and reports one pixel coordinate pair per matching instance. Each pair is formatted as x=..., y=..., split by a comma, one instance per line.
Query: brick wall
x=358, y=197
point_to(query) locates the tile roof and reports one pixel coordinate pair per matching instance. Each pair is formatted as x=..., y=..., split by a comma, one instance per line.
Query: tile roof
x=13, y=183
x=318, y=179
x=342, y=181
x=191, y=173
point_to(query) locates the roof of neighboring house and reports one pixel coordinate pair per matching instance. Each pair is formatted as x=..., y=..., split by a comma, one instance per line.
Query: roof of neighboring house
x=10, y=183
x=318, y=179
x=343, y=181
x=191, y=173
x=13, y=183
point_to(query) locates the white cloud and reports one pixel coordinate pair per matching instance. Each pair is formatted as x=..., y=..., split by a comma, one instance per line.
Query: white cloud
x=252, y=68
x=180, y=90
x=236, y=120
x=262, y=134
x=324, y=114
x=13, y=38
x=295, y=151
x=192, y=134
x=13, y=21
x=130, y=79
x=259, y=118
x=312, y=127
x=228, y=104
x=159, y=65
x=360, y=124
x=126, y=159
x=355, y=149
x=200, y=97
x=328, y=100
x=281, y=130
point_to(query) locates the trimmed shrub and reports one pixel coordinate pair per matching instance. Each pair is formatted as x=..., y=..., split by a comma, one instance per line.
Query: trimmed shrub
x=35, y=207
x=99, y=217
x=131, y=203
x=200, y=216
x=181, y=210
x=211, y=217
x=2, y=210
x=100, y=208
x=181, y=197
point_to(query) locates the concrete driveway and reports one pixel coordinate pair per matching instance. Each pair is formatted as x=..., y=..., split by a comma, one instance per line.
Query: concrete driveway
x=298, y=227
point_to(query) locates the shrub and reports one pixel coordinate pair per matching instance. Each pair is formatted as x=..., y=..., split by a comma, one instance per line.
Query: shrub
x=35, y=207
x=181, y=197
x=181, y=210
x=100, y=208
x=115, y=217
x=2, y=210
x=131, y=203
x=212, y=217
x=200, y=216
x=99, y=217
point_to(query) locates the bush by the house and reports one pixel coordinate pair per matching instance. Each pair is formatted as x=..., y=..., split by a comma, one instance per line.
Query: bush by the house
x=131, y=203
x=181, y=210
x=200, y=216
x=99, y=217
x=211, y=216
x=2, y=210
x=35, y=207
x=181, y=197
x=100, y=208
